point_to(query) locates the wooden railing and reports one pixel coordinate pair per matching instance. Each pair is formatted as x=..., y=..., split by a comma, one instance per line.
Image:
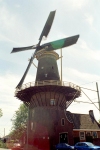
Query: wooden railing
x=48, y=82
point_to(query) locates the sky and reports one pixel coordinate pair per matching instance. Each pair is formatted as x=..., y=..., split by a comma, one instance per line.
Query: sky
x=21, y=23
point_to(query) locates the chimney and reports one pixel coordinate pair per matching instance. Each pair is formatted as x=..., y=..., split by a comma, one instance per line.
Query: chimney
x=91, y=115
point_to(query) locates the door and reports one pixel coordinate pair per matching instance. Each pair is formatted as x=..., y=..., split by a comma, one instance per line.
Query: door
x=76, y=140
x=89, y=139
x=63, y=137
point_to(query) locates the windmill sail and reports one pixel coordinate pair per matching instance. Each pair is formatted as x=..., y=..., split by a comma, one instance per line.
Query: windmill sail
x=45, y=32
x=54, y=45
x=60, y=43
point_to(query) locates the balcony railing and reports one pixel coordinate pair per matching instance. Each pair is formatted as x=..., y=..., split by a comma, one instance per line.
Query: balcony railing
x=48, y=82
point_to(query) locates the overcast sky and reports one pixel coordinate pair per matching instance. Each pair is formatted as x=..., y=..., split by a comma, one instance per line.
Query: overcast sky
x=21, y=23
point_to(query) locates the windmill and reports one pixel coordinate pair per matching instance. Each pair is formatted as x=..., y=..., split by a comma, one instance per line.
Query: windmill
x=54, y=45
x=47, y=98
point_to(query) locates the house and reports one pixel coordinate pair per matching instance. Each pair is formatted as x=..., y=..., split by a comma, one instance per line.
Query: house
x=70, y=128
x=85, y=127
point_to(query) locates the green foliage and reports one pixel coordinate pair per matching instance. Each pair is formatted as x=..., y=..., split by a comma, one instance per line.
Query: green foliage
x=2, y=145
x=20, y=117
x=19, y=122
x=1, y=113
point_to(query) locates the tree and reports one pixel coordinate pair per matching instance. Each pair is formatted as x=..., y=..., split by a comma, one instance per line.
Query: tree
x=1, y=113
x=19, y=122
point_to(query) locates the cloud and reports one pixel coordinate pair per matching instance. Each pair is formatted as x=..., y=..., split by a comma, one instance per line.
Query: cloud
x=5, y=38
x=78, y=77
x=93, y=54
x=92, y=22
x=76, y=4
x=8, y=103
x=7, y=20
x=12, y=27
x=7, y=88
x=17, y=5
x=89, y=19
x=86, y=51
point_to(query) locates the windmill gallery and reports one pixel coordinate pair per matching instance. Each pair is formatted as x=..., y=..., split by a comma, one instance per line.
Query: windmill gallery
x=48, y=97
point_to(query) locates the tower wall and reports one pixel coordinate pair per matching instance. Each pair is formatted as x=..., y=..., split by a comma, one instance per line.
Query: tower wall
x=45, y=127
x=45, y=121
x=48, y=99
x=47, y=66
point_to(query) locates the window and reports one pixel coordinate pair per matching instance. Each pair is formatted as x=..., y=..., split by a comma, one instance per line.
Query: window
x=52, y=102
x=32, y=113
x=46, y=75
x=80, y=144
x=31, y=125
x=94, y=134
x=62, y=121
x=42, y=67
x=82, y=135
x=88, y=133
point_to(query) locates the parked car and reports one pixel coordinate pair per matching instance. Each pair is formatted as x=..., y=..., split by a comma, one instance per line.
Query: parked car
x=16, y=146
x=86, y=146
x=64, y=146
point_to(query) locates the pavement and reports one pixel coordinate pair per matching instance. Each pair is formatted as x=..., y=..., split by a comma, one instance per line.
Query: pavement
x=4, y=149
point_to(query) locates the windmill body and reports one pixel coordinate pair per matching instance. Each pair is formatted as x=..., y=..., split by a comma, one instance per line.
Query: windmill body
x=47, y=66
x=48, y=97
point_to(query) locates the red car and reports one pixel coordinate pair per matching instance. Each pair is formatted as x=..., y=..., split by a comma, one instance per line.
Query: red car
x=16, y=146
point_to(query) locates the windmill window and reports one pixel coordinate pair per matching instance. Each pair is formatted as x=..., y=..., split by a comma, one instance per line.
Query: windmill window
x=52, y=67
x=46, y=75
x=52, y=102
x=42, y=67
x=62, y=121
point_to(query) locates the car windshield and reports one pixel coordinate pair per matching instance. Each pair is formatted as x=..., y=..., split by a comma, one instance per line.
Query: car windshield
x=90, y=144
x=66, y=144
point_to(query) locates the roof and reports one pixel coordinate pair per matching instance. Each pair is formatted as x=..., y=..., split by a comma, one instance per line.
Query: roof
x=82, y=121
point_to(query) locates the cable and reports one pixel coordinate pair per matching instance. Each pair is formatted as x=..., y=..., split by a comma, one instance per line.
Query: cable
x=88, y=89
x=90, y=82
x=90, y=100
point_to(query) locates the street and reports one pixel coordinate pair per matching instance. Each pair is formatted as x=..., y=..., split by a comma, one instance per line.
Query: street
x=4, y=149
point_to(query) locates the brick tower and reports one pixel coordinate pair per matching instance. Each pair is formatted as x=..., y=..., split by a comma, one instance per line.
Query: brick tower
x=48, y=100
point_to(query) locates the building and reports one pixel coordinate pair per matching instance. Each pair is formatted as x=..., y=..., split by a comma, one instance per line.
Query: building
x=85, y=127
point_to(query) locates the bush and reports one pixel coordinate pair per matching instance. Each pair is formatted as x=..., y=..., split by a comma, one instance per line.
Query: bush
x=2, y=145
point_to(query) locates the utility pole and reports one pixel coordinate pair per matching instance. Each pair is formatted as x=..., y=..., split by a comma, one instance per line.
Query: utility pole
x=27, y=126
x=4, y=132
x=98, y=95
x=61, y=66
